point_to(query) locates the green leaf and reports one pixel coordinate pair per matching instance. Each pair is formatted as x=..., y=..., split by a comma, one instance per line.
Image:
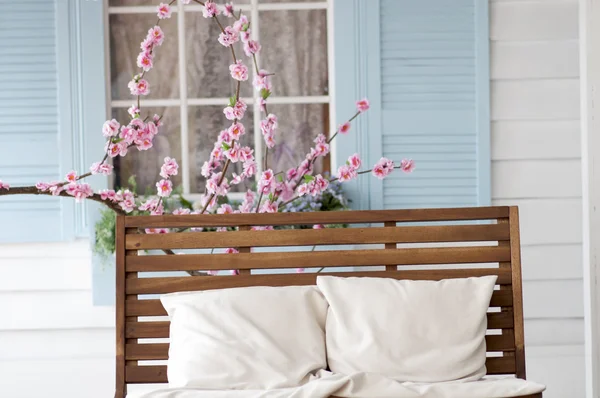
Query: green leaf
x=232, y=101
x=271, y=197
x=116, y=140
x=225, y=146
x=132, y=183
x=245, y=27
x=280, y=178
x=308, y=178
x=264, y=93
x=347, y=163
x=186, y=203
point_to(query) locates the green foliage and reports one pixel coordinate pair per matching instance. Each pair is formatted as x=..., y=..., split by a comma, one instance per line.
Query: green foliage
x=104, y=245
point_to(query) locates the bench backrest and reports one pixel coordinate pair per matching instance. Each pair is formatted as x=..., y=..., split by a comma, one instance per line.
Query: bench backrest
x=420, y=244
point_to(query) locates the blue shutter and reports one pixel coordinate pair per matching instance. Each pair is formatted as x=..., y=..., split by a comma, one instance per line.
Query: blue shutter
x=29, y=122
x=427, y=75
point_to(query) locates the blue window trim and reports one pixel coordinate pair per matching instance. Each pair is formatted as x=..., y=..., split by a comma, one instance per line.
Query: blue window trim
x=482, y=47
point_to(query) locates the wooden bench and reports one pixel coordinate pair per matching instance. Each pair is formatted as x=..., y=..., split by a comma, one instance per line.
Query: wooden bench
x=436, y=244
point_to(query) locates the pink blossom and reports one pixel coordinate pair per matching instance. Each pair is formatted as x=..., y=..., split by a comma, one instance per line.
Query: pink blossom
x=407, y=165
x=302, y=189
x=241, y=24
x=285, y=190
x=157, y=35
x=164, y=188
x=137, y=124
x=236, y=130
x=143, y=144
x=147, y=44
x=169, y=168
x=228, y=36
x=128, y=134
x=321, y=149
x=354, y=161
x=250, y=168
x=362, y=105
x=251, y=47
x=133, y=111
x=101, y=168
x=318, y=226
x=139, y=87
x=231, y=250
x=224, y=136
x=235, y=112
x=157, y=230
x=270, y=140
x=321, y=182
x=346, y=173
x=156, y=119
x=144, y=61
x=71, y=176
x=344, y=128
x=233, y=153
x=225, y=209
x=234, y=272
x=163, y=11
x=204, y=200
x=268, y=207
x=217, y=153
x=263, y=104
x=181, y=211
x=42, y=186
x=113, y=150
x=265, y=184
x=299, y=270
x=245, y=35
x=228, y=9
x=55, y=189
x=383, y=168
x=149, y=205
x=305, y=167
x=246, y=154
x=5, y=185
x=321, y=139
x=151, y=129
x=292, y=173
x=210, y=9
x=128, y=205
x=110, y=128
x=262, y=80
x=206, y=169
x=107, y=194
x=79, y=191
x=239, y=71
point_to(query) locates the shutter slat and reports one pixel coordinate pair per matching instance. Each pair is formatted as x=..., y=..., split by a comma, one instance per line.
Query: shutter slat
x=29, y=122
x=429, y=94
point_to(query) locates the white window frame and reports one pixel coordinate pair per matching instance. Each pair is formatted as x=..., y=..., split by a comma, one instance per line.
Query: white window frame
x=252, y=10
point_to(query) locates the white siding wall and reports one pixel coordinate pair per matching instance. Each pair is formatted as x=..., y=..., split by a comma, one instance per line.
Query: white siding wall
x=53, y=342
x=536, y=165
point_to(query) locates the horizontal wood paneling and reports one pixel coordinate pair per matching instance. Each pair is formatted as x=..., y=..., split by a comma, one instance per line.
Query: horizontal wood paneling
x=536, y=139
x=536, y=179
x=529, y=99
x=181, y=284
x=534, y=59
x=534, y=20
x=333, y=217
x=306, y=237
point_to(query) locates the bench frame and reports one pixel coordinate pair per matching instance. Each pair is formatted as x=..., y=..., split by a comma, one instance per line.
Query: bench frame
x=433, y=239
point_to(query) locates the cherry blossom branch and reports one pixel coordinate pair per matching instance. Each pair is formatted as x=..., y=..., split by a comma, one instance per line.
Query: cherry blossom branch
x=32, y=190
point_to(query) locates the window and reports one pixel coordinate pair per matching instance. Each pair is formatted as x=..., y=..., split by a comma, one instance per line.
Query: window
x=190, y=84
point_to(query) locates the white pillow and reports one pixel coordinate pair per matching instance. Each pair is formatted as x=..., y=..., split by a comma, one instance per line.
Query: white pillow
x=420, y=331
x=246, y=338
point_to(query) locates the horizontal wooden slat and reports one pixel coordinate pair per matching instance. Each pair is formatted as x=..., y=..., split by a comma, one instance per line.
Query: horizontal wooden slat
x=145, y=374
x=500, y=365
x=500, y=298
x=182, y=284
x=337, y=258
x=160, y=351
x=158, y=374
x=329, y=236
x=330, y=217
x=160, y=329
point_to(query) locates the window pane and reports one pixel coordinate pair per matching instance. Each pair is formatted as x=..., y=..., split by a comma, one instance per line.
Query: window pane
x=145, y=165
x=205, y=123
x=298, y=127
x=294, y=47
x=126, y=33
x=208, y=61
